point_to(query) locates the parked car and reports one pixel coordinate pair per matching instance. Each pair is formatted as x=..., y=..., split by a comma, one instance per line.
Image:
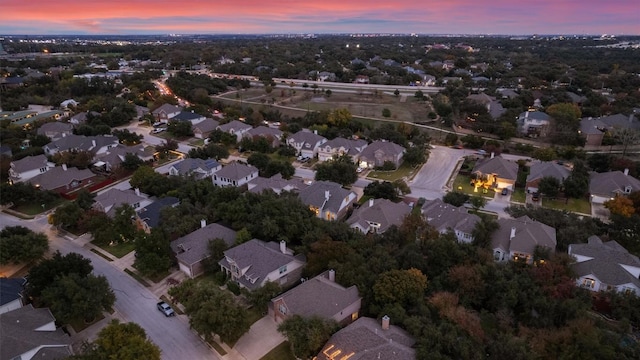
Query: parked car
x=158, y=130
x=166, y=309
x=535, y=196
x=505, y=192
x=359, y=170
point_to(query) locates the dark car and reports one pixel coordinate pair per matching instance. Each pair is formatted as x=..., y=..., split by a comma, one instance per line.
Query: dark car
x=535, y=196
x=505, y=192
x=166, y=309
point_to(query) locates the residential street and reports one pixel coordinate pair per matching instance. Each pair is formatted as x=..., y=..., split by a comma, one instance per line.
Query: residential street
x=134, y=302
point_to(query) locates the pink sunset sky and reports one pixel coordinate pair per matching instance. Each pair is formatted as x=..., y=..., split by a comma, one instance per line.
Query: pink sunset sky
x=320, y=16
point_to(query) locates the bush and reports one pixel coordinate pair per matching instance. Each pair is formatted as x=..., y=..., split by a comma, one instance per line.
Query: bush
x=387, y=166
x=386, y=112
x=233, y=287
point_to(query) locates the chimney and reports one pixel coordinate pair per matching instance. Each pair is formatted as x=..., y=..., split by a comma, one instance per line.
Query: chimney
x=385, y=322
x=203, y=223
x=626, y=171
x=315, y=132
x=371, y=202
x=94, y=143
x=283, y=247
x=137, y=191
x=327, y=195
x=493, y=154
x=513, y=233
x=64, y=167
x=332, y=275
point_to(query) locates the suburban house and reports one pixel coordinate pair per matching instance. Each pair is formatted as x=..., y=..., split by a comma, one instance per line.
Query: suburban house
x=446, y=217
x=593, y=131
x=494, y=107
x=306, y=142
x=379, y=152
x=341, y=146
x=148, y=217
x=202, y=129
x=63, y=179
x=255, y=262
x=30, y=333
x=273, y=135
x=621, y=121
x=55, y=130
x=198, y=168
x=607, y=185
x=189, y=116
x=81, y=118
x=533, y=123
x=605, y=266
x=517, y=239
x=369, y=339
x=28, y=167
x=165, y=112
x=235, y=174
x=192, y=249
x=320, y=296
x=11, y=290
x=141, y=111
x=378, y=215
x=114, y=156
x=495, y=172
x=98, y=145
x=113, y=198
x=328, y=200
x=276, y=184
x=235, y=127
x=540, y=170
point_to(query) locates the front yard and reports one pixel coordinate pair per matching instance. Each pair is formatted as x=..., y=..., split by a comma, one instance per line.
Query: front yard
x=119, y=250
x=462, y=183
x=573, y=205
x=403, y=171
x=280, y=352
x=519, y=196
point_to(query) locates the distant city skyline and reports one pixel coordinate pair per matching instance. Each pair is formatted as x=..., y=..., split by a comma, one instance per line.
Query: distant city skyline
x=499, y=17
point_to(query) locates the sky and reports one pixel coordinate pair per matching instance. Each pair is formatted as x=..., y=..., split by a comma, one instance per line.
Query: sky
x=124, y=17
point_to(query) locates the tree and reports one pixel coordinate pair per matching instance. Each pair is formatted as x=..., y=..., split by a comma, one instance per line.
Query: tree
x=549, y=186
x=44, y=273
x=211, y=151
x=450, y=139
x=620, y=205
x=381, y=190
x=415, y=155
x=67, y=215
x=123, y=341
x=404, y=287
x=576, y=185
x=544, y=154
x=153, y=252
x=180, y=128
x=455, y=198
x=386, y=112
x=261, y=297
x=85, y=199
x=164, y=148
x=131, y=162
x=126, y=137
x=339, y=118
x=306, y=336
x=341, y=170
x=259, y=160
x=477, y=202
x=72, y=297
x=19, y=244
x=419, y=95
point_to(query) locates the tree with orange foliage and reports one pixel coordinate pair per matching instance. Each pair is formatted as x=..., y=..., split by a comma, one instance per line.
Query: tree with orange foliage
x=620, y=205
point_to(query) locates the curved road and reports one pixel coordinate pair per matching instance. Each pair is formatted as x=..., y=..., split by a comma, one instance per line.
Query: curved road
x=134, y=302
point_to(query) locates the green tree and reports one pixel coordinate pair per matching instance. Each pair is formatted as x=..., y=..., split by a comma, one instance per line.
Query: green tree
x=455, y=198
x=261, y=297
x=85, y=199
x=339, y=118
x=549, y=186
x=67, y=215
x=419, y=95
x=404, y=287
x=415, y=155
x=306, y=336
x=72, y=297
x=576, y=185
x=381, y=190
x=545, y=154
x=153, y=252
x=341, y=170
x=131, y=162
x=386, y=112
x=123, y=341
x=19, y=244
x=44, y=273
x=180, y=128
x=477, y=202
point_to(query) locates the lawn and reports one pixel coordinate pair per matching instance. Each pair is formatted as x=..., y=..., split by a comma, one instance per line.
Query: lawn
x=574, y=205
x=280, y=352
x=462, y=183
x=254, y=314
x=79, y=324
x=403, y=171
x=519, y=196
x=35, y=209
x=119, y=250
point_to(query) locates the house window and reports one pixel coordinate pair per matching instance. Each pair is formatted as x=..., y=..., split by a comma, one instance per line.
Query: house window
x=354, y=316
x=283, y=269
x=282, y=309
x=627, y=190
x=588, y=283
x=136, y=205
x=44, y=169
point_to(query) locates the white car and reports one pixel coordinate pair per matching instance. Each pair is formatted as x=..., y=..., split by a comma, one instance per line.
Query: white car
x=359, y=170
x=158, y=130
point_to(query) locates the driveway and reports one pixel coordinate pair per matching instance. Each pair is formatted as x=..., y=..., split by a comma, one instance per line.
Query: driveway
x=261, y=338
x=430, y=182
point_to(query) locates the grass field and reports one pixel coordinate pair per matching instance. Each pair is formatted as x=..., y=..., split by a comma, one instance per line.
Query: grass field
x=573, y=205
x=462, y=183
x=519, y=196
x=280, y=352
x=119, y=250
x=403, y=171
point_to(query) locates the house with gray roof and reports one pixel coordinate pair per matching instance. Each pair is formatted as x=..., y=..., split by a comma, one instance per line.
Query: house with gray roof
x=81, y=118
x=533, y=123
x=63, y=179
x=379, y=152
x=28, y=167
x=593, y=131
x=148, y=217
x=165, y=112
x=369, y=339
x=197, y=168
x=496, y=172
x=446, y=217
x=507, y=93
x=272, y=134
x=543, y=169
x=189, y=116
x=192, y=249
x=235, y=174
x=141, y=111
x=255, y=262
x=517, y=239
x=378, y=215
x=320, y=296
x=328, y=200
x=605, y=266
x=494, y=107
x=235, y=127
x=115, y=156
x=97, y=145
x=55, y=130
x=621, y=121
x=11, y=290
x=30, y=333
x=202, y=129
x=114, y=198
x=607, y=185
x=276, y=184
x=306, y=142
x=341, y=146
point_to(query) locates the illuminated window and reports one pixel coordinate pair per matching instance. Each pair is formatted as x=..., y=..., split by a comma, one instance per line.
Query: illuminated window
x=589, y=283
